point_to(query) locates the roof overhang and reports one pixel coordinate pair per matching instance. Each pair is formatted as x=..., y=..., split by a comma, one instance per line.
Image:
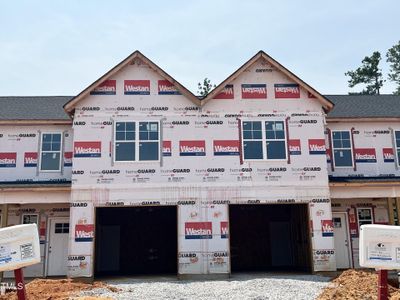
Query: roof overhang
x=35, y=122
x=365, y=184
x=326, y=104
x=363, y=119
x=70, y=105
x=35, y=188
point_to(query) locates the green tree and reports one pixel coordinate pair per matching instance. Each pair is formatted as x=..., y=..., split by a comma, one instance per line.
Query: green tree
x=205, y=87
x=369, y=74
x=393, y=57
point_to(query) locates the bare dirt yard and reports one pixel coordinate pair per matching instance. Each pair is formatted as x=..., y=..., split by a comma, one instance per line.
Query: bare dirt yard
x=356, y=285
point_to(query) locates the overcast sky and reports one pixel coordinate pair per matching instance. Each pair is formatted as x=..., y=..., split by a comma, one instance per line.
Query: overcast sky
x=60, y=47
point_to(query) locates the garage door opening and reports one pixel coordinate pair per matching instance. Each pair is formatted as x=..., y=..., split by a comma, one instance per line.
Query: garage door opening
x=136, y=240
x=269, y=238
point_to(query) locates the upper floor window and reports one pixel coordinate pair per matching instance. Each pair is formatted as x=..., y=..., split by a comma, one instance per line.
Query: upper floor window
x=50, y=152
x=397, y=138
x=342, y=152
x=264, y=140
x=137, y=141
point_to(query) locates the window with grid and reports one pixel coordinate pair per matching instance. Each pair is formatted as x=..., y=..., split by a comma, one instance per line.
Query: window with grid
x=137, y=141
x=61, y=228
x=397, y=138
x=264, y=140
x=275, y=140
x=364, y=216
x=50, y=156
x=252, y=140
x=342, y=152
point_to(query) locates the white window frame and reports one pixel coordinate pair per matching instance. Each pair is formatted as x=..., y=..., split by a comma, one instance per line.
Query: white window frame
x=264, y=140
x=351, y=150
x=28, y=214
x=41, y=151
x=136, y=141
x=358, y=217
x=397, y=148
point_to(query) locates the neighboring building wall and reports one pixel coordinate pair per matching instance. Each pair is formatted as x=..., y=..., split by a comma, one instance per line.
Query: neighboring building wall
x=379, y=213
x=372, y=171
x=39, y=214
x=375, y=152
x=20, y=153
x=23, y=184
x=204, y=176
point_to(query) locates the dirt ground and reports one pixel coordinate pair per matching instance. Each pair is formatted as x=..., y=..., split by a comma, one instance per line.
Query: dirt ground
x=356, y=285
x=49, y=289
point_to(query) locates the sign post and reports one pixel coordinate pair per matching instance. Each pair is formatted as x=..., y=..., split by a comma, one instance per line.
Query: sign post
x=382, y=285
x=380, y=249
x=19, y=247
x=20, y=284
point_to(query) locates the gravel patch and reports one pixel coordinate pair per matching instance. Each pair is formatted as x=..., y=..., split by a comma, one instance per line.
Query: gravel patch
x=242, y=286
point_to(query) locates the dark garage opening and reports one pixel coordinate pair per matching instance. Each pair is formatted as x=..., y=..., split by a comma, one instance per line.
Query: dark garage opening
x=269, y=238
x=136, y=240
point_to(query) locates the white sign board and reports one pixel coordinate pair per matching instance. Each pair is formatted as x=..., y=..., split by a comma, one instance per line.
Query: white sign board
x=380, y=247
x=19, y=247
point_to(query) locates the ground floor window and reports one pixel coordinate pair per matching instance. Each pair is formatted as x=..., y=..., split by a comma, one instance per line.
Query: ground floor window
x=30, y=219
x=364, y=216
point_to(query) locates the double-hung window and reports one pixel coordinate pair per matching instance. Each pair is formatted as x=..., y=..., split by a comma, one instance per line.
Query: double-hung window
x=50, y=152
x=342, y=152
x=397, y=142
x=137, y=141
x=264, y=140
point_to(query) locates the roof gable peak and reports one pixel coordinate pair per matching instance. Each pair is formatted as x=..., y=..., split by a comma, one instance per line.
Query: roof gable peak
x=69, y=106
x=326, y=103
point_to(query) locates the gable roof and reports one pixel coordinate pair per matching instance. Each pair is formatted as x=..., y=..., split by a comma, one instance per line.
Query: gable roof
x=327, y=104
x=365, y=106
x=28, y=108
x=69, y=106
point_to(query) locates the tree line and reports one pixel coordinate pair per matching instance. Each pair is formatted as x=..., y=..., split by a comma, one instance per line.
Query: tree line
x=370, y=73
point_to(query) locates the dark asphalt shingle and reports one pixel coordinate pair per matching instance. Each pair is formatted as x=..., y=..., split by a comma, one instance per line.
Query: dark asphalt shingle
x=364, y=179
x=33, y=108
x=364, y=106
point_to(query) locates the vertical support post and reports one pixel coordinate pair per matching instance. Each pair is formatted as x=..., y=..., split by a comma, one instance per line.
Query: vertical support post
x=20, y=284
x=397, y=206
x=4, y=222
x=391, y=210
x=382, y=285
x=4, y=215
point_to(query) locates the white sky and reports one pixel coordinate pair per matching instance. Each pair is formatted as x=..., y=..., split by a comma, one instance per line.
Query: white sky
x=60, y=47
